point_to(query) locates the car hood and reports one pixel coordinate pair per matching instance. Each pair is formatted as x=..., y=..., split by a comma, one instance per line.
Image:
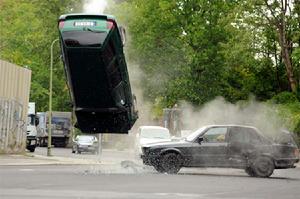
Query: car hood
x=181, y=143
x=146, y=141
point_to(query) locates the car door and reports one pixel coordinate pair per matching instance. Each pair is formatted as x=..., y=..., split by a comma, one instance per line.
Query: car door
x=212, y=151
x=242, y=142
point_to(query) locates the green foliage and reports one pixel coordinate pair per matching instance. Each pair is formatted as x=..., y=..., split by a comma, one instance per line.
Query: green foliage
x=196, y=50
x=191, y=50
x=290, y=114
x=285, y=98
x=30, y=28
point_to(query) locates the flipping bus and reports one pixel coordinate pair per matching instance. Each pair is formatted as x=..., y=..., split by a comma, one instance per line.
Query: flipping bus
x=96, y=70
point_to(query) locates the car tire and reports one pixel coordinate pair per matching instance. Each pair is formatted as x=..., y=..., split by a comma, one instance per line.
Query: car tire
x=171, y=163
x=263, y=166
x=32, y=149
x=159, y=168
x=250, y=171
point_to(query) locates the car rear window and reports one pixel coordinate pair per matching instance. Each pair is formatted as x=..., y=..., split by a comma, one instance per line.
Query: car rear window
x=84, y=38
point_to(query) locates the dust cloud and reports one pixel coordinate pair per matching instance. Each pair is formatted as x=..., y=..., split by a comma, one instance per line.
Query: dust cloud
x=218, y=111
x=94, y=6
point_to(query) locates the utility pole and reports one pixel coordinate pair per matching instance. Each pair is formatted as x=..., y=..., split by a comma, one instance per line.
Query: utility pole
x=50, y=101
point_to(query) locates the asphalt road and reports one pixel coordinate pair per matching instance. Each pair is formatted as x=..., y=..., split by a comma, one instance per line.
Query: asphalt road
x=106, y=155
x=127, y=179
x=72, y=181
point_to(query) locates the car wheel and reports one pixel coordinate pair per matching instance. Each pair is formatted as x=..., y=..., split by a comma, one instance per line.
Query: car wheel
x=263, y=166
x=171, y=163
x=159, y=168
x=250, y=171
x=32, y=149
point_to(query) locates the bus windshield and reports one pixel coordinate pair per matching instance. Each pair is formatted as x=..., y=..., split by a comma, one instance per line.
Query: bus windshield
x=84, y=38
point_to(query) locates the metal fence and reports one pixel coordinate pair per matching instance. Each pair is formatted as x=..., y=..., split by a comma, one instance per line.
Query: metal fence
x=14, y=97
x=12, y=127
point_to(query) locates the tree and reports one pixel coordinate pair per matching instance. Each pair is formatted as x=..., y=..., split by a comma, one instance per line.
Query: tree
x=31, y=26
x=278, y=14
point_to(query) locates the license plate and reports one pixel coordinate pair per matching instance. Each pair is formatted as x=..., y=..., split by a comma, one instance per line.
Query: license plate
x=85, y=23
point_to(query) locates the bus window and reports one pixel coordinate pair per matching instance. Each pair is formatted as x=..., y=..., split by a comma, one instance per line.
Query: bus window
x=83, y=38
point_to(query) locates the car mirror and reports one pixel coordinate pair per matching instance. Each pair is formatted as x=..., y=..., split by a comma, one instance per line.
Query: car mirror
x=200, y=140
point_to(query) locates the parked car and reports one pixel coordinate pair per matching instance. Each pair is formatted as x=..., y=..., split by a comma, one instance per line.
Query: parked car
x=231, y=146
x=85, y=143
x=151, y=134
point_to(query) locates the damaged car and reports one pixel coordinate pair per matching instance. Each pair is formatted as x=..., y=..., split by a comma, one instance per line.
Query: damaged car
x=227, y=146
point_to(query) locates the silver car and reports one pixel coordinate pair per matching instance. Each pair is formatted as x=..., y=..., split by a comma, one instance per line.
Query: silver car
x=85, y=143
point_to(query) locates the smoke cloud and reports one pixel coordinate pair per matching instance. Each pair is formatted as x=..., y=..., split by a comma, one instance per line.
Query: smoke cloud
x=94, y=6
x=251, y=113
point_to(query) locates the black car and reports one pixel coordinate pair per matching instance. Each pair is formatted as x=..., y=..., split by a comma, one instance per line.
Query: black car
x=229, y=146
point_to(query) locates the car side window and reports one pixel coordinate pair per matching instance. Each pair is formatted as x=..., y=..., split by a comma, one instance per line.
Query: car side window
x=244, y=135
x=215, y=135
x=237, y=134
x=253, y=137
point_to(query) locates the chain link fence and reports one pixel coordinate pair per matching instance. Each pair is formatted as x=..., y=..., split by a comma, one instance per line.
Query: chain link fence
x=12, y=127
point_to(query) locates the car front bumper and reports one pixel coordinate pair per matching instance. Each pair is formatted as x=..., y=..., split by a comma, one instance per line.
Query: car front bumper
x=150, y=159
x=31, y=141
x=87, y=148
x=285, y=163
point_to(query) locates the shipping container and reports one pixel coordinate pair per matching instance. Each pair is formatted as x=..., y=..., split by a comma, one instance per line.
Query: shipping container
x=14, y=97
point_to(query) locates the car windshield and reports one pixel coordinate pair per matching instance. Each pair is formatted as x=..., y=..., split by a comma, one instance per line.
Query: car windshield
x=155, y=133
x=30, y=120
x=85, y=138
x=195, y=134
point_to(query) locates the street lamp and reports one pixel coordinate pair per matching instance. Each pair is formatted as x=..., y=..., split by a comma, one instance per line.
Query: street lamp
x=50, y=101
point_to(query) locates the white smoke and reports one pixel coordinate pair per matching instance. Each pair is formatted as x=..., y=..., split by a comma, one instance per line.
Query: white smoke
x=94, y=6
x=252, y=113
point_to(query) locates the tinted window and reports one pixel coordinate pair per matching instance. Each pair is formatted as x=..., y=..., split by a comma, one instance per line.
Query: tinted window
x=237, y=135
x=83, y=38
x=251, y=136
x=215, y=135
x=244, y=135
x=30, y=120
